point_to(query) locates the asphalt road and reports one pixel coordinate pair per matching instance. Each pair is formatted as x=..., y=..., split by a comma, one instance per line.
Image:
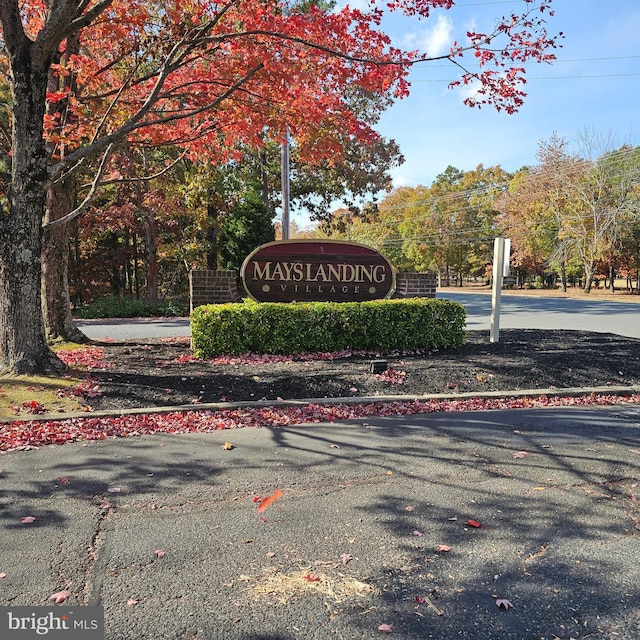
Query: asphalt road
x=517, y=312
x=524, y=312
x=376, y=526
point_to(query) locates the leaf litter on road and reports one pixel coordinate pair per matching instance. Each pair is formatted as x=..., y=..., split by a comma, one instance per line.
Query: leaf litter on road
x=24, y=434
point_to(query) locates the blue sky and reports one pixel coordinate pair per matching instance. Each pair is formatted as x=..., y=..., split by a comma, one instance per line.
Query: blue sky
x=593, y=86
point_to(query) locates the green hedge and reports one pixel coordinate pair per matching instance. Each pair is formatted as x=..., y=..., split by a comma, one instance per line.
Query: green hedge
x=130, y=307
x=297, y=327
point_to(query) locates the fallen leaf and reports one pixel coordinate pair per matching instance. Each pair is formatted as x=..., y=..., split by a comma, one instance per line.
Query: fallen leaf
x=417, y=533
x=420, y=600
x=520, y=454
x=27, y=519
x=132, y=601
x=227, y=446
x=473, y=523
x=444, y=547
x=409, y=508
x=346, y=558
x=504, y=604
x=334, y=446
x=60, y=596
x=2, y=575
x=385, y=628
x=159, y=553
x=265, y=502
x=311, y=577
x=389, y=473
x=270, y=554
x=635, y=451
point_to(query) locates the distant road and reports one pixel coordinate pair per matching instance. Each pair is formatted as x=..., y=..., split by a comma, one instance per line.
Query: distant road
x=518, y=312
x=525, y=312
x=134, y=328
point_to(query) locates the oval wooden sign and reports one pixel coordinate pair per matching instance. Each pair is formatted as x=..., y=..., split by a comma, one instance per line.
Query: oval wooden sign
x=317, y=270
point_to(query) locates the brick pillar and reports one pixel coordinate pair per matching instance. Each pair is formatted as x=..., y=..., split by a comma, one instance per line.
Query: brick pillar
x=415, y=285
x=213, y=287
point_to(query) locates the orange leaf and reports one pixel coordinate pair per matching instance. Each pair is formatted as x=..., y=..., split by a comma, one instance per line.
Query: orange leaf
x=265, y=502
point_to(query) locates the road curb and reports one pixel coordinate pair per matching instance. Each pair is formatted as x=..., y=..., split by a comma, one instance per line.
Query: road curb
x=349, y=400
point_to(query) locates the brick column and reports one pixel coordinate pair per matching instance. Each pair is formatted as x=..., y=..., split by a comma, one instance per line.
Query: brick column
x=213, y=287
x=415, y=285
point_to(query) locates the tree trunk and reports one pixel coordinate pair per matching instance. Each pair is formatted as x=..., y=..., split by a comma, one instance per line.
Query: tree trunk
x=23, y=343
x=588, y=279
x=612, y=278
x=563, y=275
x=56, y=299
x=151, y=255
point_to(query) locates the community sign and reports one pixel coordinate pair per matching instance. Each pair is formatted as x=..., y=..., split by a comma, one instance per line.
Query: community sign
x=317, y=270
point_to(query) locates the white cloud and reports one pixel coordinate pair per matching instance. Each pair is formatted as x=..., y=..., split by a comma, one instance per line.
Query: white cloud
x=403, y=181
x=434, y=40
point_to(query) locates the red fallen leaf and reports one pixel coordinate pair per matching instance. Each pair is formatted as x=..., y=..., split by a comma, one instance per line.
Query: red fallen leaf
x=504, y=604
x=63, y=480
x=264, y=503
x=257, y=498
x=473, y=523
x=27, y=434
x=60, y=596
x=521, y=454
x=385, y=628
x=311, y=577
x=27, y=519
x=420, y=600
x=444, y=547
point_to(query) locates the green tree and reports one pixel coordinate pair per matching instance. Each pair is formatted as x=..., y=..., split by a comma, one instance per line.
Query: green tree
x=248, y=226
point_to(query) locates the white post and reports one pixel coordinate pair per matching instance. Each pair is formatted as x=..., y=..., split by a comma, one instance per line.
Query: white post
x=498, y=271
x=284, y=178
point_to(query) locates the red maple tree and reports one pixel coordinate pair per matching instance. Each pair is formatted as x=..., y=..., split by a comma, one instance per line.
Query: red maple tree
x=87, y=76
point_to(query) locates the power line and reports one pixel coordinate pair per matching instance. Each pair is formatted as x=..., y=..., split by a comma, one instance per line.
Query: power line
x=467, y=194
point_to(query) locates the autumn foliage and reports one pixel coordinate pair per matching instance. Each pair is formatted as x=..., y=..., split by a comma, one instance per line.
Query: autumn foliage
x=211, y=76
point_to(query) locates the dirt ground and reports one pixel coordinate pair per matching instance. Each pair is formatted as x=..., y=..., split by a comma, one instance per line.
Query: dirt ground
x=164, y=373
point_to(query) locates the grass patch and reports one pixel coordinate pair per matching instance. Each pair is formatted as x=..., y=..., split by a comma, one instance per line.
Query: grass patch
x=25, y=396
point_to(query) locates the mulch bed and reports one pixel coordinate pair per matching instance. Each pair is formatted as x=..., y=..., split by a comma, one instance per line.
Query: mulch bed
x=163, y=373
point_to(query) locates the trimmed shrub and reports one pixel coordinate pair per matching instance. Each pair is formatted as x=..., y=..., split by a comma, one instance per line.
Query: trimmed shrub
x=130, y=307
x=312, y=327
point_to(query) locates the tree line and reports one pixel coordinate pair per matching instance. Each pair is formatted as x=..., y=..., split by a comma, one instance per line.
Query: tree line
x=573, y=218
x=101, y=99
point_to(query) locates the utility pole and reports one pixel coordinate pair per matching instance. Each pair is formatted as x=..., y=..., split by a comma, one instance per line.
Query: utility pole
x=284, y=177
